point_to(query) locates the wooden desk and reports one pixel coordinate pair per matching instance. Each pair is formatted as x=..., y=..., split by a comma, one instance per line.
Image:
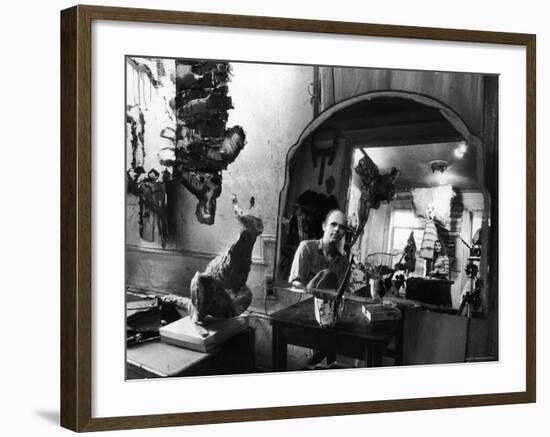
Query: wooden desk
x=430, y=290
x=352, y=336
x=155, y=359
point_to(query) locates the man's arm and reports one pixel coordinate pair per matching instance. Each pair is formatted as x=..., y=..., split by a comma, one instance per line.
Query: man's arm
x=301, y=266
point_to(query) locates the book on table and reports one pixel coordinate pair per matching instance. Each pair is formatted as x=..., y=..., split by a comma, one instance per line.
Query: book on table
x=378, y=312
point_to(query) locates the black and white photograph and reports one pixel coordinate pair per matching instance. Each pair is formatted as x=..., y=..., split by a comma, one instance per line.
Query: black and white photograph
x=289, y=217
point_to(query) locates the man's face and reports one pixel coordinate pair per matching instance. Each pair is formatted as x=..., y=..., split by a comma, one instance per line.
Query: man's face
x=334, y=227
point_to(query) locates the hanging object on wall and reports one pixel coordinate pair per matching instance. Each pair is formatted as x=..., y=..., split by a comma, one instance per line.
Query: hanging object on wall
x=375, y=188
x=384, y=190
x=330, y=183
x=153, y=215
x=149, y=90
x=439, y=197
x=203, y=145
x=153, y=211
x=206, y=186
x=136, y=122
x=324, y=150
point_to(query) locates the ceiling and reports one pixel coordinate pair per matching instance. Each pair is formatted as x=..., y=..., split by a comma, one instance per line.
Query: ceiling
x=414, y=163
x=402, y=133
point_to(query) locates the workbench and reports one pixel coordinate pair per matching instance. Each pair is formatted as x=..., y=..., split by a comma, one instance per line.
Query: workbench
x=155, y=359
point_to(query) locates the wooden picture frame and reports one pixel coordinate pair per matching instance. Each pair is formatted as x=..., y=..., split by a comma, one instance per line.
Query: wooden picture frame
x=76, y=217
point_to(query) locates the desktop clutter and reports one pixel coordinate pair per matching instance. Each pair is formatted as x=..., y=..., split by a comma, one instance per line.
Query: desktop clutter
x=329, y=300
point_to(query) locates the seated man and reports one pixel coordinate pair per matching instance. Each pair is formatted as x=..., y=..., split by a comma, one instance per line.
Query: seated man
x=312, y=256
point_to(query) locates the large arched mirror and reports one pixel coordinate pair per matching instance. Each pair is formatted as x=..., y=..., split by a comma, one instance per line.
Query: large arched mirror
x=405, y=169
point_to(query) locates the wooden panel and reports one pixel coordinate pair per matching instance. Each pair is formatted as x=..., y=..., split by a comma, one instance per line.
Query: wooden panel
x=430, y=338
x=478, y=341
x=463, y=92
x=68, y=229
x=172, y=271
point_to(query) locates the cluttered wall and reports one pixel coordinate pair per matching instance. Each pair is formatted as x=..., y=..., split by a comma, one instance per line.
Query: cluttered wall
x=271, y=105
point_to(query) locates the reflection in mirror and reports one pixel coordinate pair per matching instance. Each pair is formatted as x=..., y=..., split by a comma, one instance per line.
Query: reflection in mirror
x=410, y=180
x=428, y=206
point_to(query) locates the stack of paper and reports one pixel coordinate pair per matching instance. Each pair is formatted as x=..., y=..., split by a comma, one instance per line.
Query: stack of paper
x=378, y=313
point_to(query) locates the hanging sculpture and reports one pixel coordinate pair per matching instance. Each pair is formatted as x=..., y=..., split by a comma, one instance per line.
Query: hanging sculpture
x=204, y=146
x=325, y=150
x=375, y=188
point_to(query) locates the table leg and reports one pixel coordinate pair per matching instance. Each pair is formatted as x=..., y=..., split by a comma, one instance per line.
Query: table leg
x=368, y=355
x=279, y=349
x=373, y=354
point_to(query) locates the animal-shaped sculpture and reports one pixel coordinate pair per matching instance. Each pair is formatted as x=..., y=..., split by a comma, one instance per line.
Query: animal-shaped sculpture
x=221, y=291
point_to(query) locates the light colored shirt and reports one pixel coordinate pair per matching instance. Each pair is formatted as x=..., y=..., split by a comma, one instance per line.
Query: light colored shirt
x=309, y=260
x=441, y=265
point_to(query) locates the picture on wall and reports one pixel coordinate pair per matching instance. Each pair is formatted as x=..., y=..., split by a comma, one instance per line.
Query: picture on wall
x=288, y=217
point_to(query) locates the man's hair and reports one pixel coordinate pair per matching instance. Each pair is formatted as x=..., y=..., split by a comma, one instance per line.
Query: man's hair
x=335, y=210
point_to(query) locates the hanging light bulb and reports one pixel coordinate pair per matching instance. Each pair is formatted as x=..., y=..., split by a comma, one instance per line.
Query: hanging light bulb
x=460, y=150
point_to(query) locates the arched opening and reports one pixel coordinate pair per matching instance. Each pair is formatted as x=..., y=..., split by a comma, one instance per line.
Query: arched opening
x=392, y=129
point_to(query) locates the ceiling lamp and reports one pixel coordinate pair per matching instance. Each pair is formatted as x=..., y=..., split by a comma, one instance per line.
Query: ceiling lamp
x=438, y=167
x=460, y=150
